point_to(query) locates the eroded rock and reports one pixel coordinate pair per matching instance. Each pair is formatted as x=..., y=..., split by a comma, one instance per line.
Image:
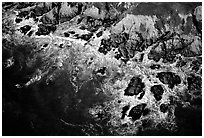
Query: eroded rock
x=157, y=91
x=136, y=111
x=135, y=87
x=169, y=78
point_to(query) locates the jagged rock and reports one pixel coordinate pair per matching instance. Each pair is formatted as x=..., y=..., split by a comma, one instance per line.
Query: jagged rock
x=45, y=29
x=163, y=107
x=136, y=111
x=64, y=78
x=135, y=87
x=169, y=78
x=117, y=41
x=157, y=91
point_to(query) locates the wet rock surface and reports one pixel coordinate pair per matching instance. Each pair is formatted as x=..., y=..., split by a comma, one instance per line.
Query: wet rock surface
x=157, y=91
x=164, y=108
x=169, y=78
x=136, y=111
x=101, y=69
x=135, y=87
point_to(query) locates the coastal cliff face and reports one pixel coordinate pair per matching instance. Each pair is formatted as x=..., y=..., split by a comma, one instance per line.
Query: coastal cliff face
x=108, y=68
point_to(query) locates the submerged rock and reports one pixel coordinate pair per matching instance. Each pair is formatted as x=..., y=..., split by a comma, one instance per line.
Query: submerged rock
x=135, y=87
x=136, y=111
x=169, y=78
x=157, y=91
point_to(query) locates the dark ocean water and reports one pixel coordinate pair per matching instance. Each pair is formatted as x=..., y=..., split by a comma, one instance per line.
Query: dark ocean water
x=39, y=109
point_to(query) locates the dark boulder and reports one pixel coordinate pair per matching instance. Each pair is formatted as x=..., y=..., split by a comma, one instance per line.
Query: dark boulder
x=169, y=78
x=163, y=107
x=157, y=91
x=137, y=111
x=45, y=29
x=135, y=86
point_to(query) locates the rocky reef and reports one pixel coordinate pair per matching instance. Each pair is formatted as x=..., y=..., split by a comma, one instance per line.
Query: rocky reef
x=102, y=68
